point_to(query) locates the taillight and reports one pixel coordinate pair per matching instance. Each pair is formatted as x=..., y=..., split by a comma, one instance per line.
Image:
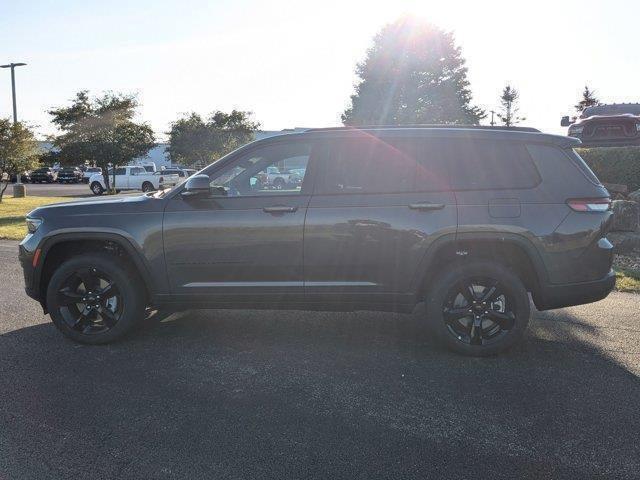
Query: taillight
x=161, y=179
x=589, y=204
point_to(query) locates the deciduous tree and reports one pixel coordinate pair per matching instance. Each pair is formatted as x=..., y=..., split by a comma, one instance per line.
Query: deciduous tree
x=101, y=131
x=197, y=142
x=18, y=151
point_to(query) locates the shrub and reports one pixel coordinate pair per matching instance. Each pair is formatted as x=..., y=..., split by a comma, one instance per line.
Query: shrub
x=614, y=164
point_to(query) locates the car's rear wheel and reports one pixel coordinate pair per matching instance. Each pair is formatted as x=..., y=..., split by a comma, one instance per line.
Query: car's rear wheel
x=479, y=309
x=97, y=189
x=92, y=299
x=147, y=187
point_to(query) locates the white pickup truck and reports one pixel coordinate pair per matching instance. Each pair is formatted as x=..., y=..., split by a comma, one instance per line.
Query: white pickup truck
x=132, y=178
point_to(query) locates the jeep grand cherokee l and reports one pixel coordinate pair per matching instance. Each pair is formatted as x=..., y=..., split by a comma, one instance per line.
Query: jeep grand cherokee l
x=469, y=221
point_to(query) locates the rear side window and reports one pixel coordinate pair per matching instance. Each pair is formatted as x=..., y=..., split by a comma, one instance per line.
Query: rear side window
x=490, y=165
x=368, y=165
x=582, y=166
x=383, y=165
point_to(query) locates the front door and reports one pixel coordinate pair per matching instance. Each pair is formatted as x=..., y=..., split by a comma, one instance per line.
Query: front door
x=243, y=241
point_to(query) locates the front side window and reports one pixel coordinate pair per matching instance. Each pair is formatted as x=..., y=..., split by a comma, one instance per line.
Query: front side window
x=277, y=169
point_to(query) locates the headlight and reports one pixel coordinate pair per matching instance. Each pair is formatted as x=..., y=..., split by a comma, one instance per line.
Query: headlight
x=637, y=127
x=576, y=130
x=33, y=224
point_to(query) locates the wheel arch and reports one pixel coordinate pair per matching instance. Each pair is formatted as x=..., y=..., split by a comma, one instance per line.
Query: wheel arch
x=55, y=249
x=512, y=250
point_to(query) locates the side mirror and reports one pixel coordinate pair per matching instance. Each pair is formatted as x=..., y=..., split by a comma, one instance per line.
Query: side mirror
x=196, y=185
x=565, y=122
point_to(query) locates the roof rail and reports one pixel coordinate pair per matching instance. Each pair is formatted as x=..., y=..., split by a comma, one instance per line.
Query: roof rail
x=385, y=127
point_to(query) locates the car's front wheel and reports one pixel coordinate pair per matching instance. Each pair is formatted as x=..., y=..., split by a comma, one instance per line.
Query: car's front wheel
x=147, y=187
x=96, y=188
x=480, y=308
x=91, y=298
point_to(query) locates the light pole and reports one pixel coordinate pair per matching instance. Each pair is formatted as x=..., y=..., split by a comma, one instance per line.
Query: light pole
x=12, y=66
x=20, y=189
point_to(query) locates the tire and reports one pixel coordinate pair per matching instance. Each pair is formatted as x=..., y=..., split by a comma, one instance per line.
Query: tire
x=110, y=317
x=96, y=188
x=147, y=187
x=279, y=183
x=480, y=329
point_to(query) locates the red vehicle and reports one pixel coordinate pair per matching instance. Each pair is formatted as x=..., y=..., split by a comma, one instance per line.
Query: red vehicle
x=606, y=125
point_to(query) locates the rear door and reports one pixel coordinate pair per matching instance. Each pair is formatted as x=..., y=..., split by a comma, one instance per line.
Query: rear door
x=121, y=179
x=378, y=204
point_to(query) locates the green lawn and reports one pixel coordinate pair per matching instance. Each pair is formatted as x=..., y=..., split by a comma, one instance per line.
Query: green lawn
x=627, y=280
x=14, y=210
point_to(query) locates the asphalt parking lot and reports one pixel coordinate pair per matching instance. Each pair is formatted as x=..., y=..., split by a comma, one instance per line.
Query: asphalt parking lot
x=248, y=394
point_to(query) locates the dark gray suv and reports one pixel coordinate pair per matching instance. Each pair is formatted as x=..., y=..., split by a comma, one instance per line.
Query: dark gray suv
x=469, y=221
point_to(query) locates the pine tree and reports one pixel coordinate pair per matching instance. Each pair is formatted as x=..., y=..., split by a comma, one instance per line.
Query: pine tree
x=509, y=113
x=413, y=73
x=588, y=99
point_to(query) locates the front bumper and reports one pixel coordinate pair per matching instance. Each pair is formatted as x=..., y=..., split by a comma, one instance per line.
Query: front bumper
x=558, y=296
x=26, y=262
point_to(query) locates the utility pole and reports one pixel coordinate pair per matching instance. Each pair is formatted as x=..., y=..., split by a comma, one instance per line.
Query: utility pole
x=18, y=188
x=492, y=114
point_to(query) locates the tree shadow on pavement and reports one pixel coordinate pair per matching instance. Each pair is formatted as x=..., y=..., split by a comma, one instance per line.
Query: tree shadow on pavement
x=253, y=394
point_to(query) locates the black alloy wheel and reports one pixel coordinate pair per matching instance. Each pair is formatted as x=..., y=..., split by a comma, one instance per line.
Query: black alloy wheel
x=478, y=311
x=478, y=308
x=90, y=302
x=96, y=297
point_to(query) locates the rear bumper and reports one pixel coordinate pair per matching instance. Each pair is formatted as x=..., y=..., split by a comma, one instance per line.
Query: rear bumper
x=558, y=296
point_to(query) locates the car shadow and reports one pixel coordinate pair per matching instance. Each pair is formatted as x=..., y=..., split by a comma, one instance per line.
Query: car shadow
x=263, y=394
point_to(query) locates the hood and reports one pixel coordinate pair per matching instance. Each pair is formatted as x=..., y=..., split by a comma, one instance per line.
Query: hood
x=101, y=206
x=601, y=118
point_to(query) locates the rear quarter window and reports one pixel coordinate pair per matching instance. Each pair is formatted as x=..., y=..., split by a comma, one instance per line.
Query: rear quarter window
x=490, y=165
x=582, y=166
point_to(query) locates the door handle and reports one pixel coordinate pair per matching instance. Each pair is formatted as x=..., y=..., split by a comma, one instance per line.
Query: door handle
x=426, y=206
x=279, y=209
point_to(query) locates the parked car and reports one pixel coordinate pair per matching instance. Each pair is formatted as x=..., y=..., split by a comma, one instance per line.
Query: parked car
x=132, y=178
x=25, y=177
x=44, y=175
x=88, y=171
x=468, y=221
x=279, y=179
x=606, y=125
x=69, y=175
x=181, y=172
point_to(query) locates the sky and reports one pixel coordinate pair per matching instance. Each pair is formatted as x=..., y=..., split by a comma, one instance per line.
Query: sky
x=292, y=62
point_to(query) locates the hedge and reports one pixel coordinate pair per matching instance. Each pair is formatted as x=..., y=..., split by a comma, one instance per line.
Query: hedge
x=614, y=164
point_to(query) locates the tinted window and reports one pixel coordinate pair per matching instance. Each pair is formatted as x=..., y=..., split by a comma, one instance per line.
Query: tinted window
x=121, y=171
x=488, y=165
x=582, y=166
x=368, y=165
x=384, y=165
